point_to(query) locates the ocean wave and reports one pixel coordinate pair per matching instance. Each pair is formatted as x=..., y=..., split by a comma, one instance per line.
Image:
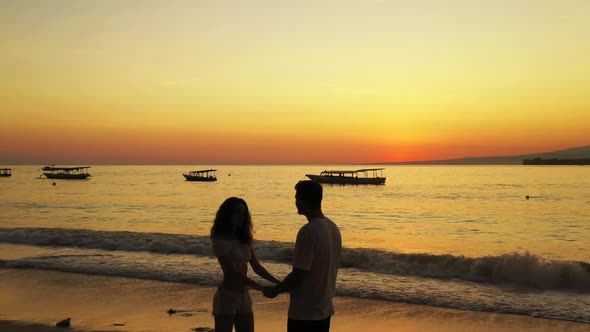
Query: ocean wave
x=520, y=269
x=204, y=270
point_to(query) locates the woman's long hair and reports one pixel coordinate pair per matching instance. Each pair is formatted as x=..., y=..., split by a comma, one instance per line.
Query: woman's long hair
x=222, y=225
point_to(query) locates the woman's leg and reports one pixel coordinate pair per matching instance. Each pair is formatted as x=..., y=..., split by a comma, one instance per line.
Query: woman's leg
x=244, y=322
x=224, y=323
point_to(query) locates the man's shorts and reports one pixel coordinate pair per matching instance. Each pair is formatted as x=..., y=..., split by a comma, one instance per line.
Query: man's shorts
x=231, y=303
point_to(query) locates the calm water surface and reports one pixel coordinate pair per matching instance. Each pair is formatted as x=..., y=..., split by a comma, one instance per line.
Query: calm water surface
x=471, y=211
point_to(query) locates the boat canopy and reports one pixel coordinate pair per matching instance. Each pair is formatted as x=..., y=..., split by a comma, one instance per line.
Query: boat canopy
x=354, y=171
x=66, y=169
x=204, y=171
x=369, y=169
x=201, y=172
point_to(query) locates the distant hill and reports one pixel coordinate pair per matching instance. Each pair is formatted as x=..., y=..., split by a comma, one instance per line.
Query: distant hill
x=582, y=152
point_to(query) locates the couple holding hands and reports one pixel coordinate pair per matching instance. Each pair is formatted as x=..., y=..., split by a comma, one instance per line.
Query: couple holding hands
x=311, y=283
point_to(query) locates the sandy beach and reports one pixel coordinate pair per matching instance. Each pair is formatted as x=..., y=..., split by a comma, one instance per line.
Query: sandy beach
x=34, y=300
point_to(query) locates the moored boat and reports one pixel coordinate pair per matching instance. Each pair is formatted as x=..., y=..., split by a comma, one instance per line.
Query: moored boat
x=359, y=176
x=555, y=161
x=5, y=172
x=206, y=175
x=66, y=173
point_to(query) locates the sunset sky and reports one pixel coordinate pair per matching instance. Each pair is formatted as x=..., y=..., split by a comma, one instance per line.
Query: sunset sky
x=256, y=82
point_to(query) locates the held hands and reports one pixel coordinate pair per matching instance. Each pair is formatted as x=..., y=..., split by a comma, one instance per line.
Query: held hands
x=269, y=292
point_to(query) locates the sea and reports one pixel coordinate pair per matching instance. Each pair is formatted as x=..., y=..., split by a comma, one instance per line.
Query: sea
x=464, y=237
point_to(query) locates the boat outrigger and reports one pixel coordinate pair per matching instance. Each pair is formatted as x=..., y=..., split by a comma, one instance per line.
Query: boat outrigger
x=68, y=173
x=5, y=172
x=359, y=176
x=206, y=175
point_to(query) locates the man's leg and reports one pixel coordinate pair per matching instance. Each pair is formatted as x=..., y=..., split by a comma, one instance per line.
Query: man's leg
x=224, y=323
x=294, y=325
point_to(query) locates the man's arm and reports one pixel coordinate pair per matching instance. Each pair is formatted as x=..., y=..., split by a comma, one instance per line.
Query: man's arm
x=291, y=281
x=302, y=261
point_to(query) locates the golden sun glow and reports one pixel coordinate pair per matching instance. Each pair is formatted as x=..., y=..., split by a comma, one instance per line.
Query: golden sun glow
x=278, y=82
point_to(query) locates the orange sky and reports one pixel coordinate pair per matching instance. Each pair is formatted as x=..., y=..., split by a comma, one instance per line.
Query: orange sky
x=334, y=82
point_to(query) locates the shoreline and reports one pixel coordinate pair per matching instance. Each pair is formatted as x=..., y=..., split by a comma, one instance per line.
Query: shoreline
x=34, y=300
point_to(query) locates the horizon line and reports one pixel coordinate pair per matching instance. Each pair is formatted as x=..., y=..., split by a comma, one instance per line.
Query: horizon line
x=389, y=163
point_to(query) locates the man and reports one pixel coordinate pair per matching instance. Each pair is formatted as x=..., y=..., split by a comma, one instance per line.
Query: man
x=312, y=282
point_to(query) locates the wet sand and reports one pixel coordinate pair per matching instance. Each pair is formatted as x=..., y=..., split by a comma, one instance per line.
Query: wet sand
x=34, y=300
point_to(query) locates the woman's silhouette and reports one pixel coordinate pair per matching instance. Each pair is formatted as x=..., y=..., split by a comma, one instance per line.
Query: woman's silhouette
x=231, y=238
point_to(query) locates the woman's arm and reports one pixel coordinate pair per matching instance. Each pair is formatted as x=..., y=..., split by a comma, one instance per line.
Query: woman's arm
x=259, y=269
x=230, y=271
x=291, y=281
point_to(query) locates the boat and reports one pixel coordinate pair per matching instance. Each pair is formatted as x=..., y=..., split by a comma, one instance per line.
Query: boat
x=205, y=175
x=5, y=172
x=66, y=173
x=555, y=161
x=359, y=176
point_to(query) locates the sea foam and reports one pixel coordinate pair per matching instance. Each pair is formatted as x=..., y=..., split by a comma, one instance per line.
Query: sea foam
x=520, y=269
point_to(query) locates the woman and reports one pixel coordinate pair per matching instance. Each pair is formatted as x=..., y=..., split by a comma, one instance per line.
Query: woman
x=231, y=238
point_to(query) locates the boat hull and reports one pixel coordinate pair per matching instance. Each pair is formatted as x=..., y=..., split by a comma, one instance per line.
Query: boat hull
x=67, y=176
x=199, y=178
x=5, y=175
x=345, y=179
